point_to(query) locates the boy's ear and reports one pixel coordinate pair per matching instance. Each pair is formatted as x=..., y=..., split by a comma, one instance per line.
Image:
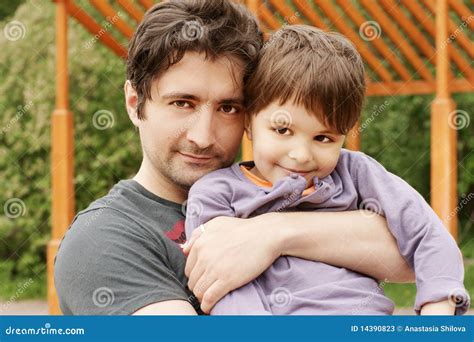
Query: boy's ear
x=131, y=102
x=248, y=127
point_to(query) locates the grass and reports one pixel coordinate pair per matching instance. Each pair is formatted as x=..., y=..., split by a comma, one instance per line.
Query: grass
x=404, y=294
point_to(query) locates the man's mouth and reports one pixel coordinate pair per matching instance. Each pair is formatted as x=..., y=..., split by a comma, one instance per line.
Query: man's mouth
x=195, y=158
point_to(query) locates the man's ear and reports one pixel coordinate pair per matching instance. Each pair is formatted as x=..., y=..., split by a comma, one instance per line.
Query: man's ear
x=131, y=102
x=248, y=126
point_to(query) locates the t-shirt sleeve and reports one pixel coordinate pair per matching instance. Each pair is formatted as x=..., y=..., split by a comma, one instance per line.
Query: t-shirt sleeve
x=108, y=265
x=421, y=236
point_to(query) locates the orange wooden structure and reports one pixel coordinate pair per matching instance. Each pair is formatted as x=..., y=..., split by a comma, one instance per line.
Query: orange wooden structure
x=409, y=46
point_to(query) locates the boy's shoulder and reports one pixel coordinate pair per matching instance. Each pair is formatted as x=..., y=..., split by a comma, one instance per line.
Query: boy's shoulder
x=226, y=176
x=354, y=160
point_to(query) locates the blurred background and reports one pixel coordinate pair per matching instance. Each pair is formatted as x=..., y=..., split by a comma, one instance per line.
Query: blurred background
x=394, y=129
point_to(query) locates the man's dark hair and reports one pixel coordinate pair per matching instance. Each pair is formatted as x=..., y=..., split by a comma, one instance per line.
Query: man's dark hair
x=218, y=28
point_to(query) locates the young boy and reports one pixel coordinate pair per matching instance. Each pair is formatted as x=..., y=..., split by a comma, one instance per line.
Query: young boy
x=305, y=95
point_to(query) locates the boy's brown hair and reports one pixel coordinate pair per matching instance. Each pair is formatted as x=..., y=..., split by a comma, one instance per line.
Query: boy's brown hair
x=218, y=28
x=321, y=71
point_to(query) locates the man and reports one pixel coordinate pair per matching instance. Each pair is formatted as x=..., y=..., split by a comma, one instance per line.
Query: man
x=187, y=66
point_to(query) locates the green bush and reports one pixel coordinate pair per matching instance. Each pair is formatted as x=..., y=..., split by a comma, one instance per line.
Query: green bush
x=27, y=97
x=398, y=137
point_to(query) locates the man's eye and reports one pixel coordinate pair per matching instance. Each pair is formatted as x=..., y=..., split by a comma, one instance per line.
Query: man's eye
x=322, y=138
x=181, y=104
x=229, y=109
x=282, y=131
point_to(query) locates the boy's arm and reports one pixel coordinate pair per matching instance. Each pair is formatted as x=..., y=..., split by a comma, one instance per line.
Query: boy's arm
x=233, y=251
x=422, y=238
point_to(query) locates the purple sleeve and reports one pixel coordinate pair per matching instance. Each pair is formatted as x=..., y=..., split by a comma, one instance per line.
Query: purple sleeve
x=208, y=198
x=423, y=240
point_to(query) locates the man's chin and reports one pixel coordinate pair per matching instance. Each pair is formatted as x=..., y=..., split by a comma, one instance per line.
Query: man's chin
x=187, y=174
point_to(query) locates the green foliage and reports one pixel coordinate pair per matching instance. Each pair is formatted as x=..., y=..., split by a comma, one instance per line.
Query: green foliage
x=397, y=135
x=27, y=98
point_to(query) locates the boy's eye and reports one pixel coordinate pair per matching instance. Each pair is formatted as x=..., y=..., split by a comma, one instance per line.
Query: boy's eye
x=229, y=109
x=181, y=104
x=322, y=138
x=282, y=131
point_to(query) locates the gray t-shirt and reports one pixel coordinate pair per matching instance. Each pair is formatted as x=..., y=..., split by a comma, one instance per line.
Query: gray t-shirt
x=121, y=254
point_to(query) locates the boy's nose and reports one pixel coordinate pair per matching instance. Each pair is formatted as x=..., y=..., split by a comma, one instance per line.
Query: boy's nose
x=301, y=154
x=200, y=129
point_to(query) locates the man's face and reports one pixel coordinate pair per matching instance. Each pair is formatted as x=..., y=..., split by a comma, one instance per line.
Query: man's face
x=194, y=123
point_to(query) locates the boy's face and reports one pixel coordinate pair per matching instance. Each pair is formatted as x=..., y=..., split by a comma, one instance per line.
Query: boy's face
x=194, y=123
x=287, y=139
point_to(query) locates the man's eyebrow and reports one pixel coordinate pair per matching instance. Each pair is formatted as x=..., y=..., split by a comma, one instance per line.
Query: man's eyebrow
x=237, y=100
x=175, y=95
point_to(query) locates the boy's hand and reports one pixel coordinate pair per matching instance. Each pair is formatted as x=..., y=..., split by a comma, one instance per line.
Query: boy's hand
x=439, y=308
x=230, y=253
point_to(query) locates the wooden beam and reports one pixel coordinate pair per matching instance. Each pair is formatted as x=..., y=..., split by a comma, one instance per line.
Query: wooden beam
x=425, y=21
x=113, y=17
x=399, y=41
x=345, y=29
x=62, y=155
x=135, y=12
x=443, y=134
x=379, y=44
x=95, y=29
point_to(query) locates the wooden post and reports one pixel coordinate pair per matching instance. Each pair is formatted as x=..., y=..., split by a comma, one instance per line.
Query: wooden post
x=443, y=135
x=353, y=138
x=62, y=151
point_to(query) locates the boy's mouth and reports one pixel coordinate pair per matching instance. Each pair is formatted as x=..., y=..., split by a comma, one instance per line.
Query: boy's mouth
x=300, y=172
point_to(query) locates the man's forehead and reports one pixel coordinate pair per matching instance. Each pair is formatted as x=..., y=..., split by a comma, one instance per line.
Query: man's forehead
x=211, y=79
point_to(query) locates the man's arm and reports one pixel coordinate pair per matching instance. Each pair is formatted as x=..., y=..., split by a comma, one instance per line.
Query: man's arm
x=233, y=251
x=167, y=308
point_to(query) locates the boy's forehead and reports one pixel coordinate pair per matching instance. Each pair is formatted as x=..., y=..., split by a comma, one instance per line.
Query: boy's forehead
x=293, y=115
x=212, y=79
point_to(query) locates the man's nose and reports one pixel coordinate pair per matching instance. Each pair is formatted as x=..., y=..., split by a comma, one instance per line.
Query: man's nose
x=301, y=153
x=200, y=130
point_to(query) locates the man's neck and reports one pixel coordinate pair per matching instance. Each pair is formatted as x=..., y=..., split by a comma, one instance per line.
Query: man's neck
x=158, y=185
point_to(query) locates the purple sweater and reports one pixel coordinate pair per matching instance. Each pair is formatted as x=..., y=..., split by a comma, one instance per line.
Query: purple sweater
x=298, y=286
